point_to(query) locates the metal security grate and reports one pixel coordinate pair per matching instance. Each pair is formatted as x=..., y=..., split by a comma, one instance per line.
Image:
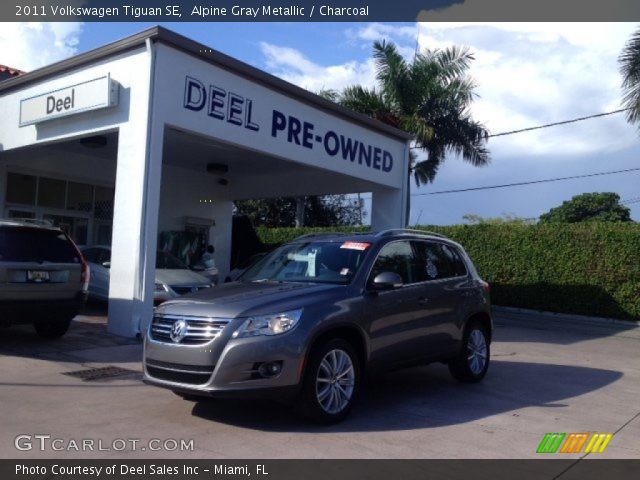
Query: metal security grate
x=102, y=373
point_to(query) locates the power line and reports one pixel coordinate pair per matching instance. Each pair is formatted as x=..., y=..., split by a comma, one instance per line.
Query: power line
x=532, y=182
x=554, y=124
x=547, y=125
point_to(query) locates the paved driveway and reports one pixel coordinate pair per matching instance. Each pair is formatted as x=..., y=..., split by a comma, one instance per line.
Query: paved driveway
x=545, y=377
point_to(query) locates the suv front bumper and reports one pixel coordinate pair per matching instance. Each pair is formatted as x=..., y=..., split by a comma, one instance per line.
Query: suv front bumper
x=226, y=366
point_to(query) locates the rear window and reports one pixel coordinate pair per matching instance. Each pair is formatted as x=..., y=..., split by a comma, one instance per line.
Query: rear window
x=25, y=244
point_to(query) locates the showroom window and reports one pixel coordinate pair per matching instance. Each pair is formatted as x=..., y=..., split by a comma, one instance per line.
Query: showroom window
x=51, y=193
x=21, y=189
x=79, y=197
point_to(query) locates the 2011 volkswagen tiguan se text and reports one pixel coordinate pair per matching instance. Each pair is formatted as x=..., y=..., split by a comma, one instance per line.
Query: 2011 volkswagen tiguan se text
x=313, y=316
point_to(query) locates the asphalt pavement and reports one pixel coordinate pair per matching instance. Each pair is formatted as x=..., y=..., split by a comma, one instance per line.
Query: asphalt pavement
x=546, y=376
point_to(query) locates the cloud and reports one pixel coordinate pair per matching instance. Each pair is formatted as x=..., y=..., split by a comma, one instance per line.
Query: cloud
x=291, y=65
x=28, y=46
x=530, y=74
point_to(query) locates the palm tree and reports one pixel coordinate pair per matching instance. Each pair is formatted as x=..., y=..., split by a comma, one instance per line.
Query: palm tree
x=429, y=97
x=630, y=68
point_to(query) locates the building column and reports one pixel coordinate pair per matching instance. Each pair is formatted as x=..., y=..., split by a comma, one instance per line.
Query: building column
x=220, y=236
x=388, y=208
x=135, y=227
x=3, y=187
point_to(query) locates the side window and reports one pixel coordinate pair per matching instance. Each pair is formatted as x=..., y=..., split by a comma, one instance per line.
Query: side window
x=434, y=264
x=453, y=256
x=396, y=257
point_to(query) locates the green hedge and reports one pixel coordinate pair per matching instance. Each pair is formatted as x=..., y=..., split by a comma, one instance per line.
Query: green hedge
x=582, y=268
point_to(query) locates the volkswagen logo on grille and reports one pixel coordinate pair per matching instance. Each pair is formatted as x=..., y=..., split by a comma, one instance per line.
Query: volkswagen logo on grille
x=178, y=331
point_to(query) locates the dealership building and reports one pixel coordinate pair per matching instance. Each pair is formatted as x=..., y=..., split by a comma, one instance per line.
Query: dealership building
x=157, y=134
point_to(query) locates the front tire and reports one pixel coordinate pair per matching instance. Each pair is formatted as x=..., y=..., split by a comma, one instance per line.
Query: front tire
x=472, y=362
x=331, y=382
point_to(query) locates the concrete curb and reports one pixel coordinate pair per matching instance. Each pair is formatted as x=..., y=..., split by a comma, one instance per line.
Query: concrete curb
x=568, y=318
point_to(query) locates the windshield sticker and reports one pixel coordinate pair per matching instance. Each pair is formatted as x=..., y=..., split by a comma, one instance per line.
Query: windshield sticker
x=355, y=245
x=344, y=271
x=432, y=270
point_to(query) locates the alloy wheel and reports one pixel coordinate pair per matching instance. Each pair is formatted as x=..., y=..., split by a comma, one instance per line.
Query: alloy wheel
x=477, y=351
x=335, y=381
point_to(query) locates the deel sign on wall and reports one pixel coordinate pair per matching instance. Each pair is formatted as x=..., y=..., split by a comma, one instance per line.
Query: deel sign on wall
x=93, y=94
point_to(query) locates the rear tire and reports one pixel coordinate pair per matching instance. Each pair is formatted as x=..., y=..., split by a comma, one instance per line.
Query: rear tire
x=331, y=382
x=52, y=329
x=472, y=362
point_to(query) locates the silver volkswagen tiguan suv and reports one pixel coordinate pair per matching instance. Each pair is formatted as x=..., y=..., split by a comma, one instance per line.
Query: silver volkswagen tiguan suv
x=313, y=316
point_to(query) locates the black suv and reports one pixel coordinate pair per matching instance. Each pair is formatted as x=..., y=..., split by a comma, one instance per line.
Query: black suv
x=43, y=277
x=314, y=315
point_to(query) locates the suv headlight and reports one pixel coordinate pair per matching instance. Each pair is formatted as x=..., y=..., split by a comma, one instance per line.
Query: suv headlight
x=273, y=324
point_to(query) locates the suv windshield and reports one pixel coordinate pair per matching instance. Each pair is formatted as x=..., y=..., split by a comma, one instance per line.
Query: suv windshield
x=166, y=261
x=27, y=244
x=322, y=262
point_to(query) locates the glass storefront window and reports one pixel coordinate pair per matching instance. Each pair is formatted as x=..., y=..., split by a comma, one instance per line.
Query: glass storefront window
x=21, y=189
x=103, y=206
x=51, y=193
x=79, y=197
x=21, y=214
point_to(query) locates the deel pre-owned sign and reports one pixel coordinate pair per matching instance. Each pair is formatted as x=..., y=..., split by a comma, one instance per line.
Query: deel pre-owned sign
x=91, y=95
x=224, y=105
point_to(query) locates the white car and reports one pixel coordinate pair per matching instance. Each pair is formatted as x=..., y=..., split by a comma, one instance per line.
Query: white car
x=173, y=278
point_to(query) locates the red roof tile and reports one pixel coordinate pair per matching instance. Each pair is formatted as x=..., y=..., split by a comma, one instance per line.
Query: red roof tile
x=10, y=71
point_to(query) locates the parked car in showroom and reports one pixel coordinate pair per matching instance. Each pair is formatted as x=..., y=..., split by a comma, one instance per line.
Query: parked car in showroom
x=43, y=277
x=313, y=316
x=173, y=278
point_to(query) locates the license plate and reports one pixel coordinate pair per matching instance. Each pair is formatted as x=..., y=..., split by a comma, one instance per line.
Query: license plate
x=38, y=276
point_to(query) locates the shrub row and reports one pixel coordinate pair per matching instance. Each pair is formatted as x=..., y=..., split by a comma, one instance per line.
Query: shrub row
x=581, y=268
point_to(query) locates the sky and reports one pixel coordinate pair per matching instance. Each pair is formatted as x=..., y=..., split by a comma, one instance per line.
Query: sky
x=527, y=74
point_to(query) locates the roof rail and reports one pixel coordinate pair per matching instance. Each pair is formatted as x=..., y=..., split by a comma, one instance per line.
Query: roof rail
x=30, y=221
x=319, y=234
x=329, y=234
x=393, y=231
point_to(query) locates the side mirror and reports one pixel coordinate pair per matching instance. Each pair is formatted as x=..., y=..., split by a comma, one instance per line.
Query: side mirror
x=387, y=281
x=106, y=264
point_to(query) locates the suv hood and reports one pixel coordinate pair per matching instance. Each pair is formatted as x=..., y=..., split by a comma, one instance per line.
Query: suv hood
x=236, y=299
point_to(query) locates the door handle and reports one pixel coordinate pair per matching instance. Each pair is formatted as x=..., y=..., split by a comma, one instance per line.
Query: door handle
x=423, y=300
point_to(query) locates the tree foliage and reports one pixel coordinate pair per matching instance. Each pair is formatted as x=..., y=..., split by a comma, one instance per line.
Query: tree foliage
x=505, y=218
x=428, y=97
x=318, y=212
x=590, y=268
x=602, y=207
x=630, y=70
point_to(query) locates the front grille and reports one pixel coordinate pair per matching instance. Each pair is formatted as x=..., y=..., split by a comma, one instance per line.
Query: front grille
x=208, y=369
x=178, y=377
x=199, y=329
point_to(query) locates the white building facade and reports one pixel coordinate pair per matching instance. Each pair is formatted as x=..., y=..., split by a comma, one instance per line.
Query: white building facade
x=157, y=133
